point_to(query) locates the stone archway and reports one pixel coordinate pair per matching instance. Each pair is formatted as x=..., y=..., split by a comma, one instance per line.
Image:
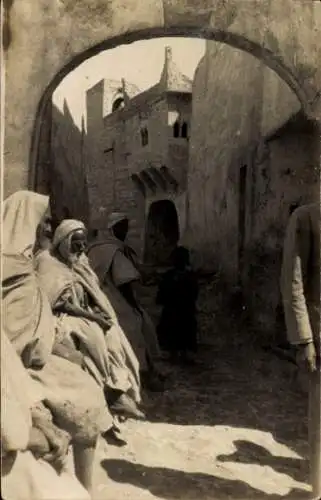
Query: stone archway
x=162, y=232
x=285, y=35
x=82, y=30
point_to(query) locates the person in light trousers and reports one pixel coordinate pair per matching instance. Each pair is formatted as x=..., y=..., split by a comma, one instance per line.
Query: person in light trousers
x=300, y=287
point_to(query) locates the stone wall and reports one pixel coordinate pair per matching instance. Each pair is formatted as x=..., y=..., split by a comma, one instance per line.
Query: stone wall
x=81, y=29
x=115, y=152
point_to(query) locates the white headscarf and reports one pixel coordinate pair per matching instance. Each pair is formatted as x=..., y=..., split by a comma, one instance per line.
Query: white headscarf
x=21, y=216
x=27, y=316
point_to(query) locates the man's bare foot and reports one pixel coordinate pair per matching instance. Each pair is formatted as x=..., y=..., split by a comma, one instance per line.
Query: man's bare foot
x=113, y=437
x=124, y=406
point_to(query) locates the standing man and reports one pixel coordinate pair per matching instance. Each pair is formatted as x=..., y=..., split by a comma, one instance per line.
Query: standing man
x=300, y=284
x=116, y=266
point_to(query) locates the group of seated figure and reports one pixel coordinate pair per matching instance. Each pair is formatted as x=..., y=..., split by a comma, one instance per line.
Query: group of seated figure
x=77, y=347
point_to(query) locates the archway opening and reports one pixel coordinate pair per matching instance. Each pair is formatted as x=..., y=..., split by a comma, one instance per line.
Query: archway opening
x=218, y=187
x=162, y=232
x=215, y=213
x=40, y=160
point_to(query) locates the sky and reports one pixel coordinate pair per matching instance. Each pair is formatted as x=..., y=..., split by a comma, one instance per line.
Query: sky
x=140, y=63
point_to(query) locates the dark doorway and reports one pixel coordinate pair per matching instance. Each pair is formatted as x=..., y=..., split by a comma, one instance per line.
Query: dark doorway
x=242, y=219
x=162, y=232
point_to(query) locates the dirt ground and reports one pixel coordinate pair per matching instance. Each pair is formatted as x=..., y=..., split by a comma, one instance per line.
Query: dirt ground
x=233, y=426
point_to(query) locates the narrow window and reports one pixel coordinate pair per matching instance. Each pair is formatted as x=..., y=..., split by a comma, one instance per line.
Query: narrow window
x=184, y=130
x=118, y=104
x=144, y=136
x=176, y=129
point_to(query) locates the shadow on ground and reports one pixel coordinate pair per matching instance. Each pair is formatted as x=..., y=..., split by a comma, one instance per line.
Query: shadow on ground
x=236, y=384
x=238, y=387
x=252, y=453
x=175, y=484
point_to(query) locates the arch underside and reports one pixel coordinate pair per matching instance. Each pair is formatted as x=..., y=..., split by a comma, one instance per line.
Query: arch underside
x=284, y=35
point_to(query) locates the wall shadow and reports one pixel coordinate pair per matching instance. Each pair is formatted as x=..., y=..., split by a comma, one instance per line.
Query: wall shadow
x=67, y=176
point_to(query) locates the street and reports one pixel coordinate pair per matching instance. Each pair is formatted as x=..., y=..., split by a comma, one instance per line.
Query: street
x=233, y=426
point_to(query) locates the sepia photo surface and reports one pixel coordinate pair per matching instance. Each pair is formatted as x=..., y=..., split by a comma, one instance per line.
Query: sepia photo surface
x=160, y=249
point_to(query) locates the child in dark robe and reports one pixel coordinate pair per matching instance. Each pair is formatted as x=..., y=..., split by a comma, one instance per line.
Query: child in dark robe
x=177, y=293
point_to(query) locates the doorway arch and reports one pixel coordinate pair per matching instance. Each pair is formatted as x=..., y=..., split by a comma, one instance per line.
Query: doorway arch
x=84, y=29
x=239, y=40
x=162, y=232
x=78, y=32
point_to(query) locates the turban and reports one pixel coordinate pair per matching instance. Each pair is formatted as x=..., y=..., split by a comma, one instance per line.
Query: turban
x=66, y=228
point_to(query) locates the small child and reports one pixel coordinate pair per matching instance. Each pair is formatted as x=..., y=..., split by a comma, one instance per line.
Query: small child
x=177, y=293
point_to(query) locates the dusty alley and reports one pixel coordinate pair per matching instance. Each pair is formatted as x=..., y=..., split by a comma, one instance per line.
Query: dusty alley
x=233, y=426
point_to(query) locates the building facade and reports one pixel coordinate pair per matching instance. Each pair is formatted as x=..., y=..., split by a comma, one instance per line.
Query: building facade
x=252, y=159
x=137, y=158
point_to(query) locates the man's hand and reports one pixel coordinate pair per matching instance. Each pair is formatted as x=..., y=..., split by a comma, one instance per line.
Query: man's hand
x=57, y=439
x=104, y=321
x=307, y=357
x=57, y=455
x=38, y=443
x=53, y=450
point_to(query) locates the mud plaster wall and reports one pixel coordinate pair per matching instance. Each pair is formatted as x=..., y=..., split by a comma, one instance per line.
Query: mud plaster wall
x=285, y=173
x=45, y=38
x=226, y=110
x=238, y=103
